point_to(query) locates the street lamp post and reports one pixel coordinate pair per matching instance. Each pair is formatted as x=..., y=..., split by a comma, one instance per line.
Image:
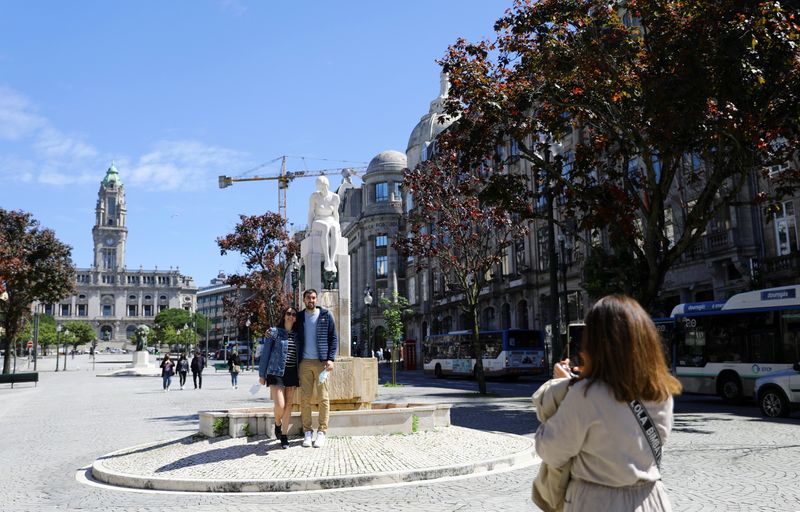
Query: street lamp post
x=249, y=346
x=58, y=342
x=295, y=273
x=368, y=303
x=66, y=333
x=562, y=244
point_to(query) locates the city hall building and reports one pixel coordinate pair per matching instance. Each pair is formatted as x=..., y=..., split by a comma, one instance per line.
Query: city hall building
x=112, y=298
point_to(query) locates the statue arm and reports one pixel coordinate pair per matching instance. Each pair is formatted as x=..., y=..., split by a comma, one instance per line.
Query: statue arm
x=336, y=202
x=312, y=204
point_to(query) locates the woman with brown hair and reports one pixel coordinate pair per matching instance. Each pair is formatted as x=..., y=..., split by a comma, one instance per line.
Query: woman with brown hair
x=616, y=416
x=278, y=369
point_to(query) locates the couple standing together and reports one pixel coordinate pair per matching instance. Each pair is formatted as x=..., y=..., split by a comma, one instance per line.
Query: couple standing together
x=295, y=353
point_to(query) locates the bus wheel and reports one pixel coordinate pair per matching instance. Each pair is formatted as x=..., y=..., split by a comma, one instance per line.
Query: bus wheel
x=730, y=388
x=438, y=371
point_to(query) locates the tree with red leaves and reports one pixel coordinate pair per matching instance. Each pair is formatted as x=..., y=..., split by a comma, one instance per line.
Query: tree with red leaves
x=679, y=105
x=464, y=219
x=264, y=243
x=34, y=266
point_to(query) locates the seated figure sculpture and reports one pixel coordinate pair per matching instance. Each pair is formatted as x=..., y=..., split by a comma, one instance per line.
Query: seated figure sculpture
x=323, y=218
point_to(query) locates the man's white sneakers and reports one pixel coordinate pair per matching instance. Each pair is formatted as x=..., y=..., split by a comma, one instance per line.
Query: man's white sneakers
x=307, y=439
x=320, y=441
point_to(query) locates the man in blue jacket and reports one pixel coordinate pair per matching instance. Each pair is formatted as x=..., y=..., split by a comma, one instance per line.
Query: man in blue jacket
x=320, y=343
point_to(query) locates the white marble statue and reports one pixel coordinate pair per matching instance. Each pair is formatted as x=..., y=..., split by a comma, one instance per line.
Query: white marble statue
x=323, y=217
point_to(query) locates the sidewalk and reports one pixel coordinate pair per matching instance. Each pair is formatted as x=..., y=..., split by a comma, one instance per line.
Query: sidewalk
x=258, y=464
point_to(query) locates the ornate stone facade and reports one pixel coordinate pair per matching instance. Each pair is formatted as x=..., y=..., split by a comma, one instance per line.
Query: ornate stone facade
x=116, y=300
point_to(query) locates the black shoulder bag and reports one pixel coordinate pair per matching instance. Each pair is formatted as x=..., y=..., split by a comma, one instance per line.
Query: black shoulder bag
x=648, y=429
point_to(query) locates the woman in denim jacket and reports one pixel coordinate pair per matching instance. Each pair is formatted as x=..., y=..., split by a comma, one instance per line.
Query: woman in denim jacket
x=277, y=368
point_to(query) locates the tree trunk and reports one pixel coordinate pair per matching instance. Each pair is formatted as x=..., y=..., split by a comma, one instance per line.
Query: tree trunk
x=7, y=357
x=477, y=348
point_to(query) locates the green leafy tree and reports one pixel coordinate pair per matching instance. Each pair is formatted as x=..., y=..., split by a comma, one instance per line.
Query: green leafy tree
x=34, y=266
x=394, y=310
x=81, y=332
x=47, y=332
x=677, y=103
x=176, y=318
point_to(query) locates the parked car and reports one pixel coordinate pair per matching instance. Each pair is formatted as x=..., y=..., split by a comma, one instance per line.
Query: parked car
x=779, y=392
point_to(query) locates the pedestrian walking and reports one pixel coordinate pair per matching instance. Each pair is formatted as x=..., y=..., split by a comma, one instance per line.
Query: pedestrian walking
x=611, y=424
x=277, y=368
x=182, y=367
x=167, y=371
x=197, y=365
x=234, y=368
x=318, y=347
x=380, y=354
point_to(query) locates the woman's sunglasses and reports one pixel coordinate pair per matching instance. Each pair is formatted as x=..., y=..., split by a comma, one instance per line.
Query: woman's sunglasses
x=289, y=313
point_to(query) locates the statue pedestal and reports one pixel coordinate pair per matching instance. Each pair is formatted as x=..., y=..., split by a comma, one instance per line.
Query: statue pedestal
x=141, y=359
x=353, y=385
x=354, y=381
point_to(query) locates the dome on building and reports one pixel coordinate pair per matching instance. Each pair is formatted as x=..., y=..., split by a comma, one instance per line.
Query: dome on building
x=429, y=126
x=112, y=177
x=387, y=161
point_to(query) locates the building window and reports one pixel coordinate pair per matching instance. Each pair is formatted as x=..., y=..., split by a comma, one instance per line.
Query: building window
x=48, y=309
x=108, y=280
x=381, y=192
x=64, y=309
x=109, y=259
x=131, y=309
x=148, y=310
x=412, y=290
x=381, y=264
x=543, y=249
x=396, y=195
x=785, y=229
x=131, y=297
x=162, y=307
x=82, y=311
x=133, y=279
x=108, y=310
x=522, y=314
x=381, y=241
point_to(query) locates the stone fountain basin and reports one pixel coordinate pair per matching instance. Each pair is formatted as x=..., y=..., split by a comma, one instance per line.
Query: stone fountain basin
x=382, y=418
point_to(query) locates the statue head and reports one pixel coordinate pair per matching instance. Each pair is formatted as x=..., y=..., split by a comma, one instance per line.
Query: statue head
x=323, y=185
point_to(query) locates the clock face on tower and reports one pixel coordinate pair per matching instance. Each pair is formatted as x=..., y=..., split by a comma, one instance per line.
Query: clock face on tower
x=110, y=241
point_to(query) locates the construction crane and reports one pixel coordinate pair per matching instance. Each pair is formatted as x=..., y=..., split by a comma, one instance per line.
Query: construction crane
x=285, y=177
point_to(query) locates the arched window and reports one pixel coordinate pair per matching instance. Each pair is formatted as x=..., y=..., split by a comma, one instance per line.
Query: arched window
x=487, y=318
x=522, y=314
x=505, y=316
x=130, y=332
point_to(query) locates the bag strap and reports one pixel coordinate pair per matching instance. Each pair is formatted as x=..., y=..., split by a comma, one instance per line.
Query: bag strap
x=648, y=429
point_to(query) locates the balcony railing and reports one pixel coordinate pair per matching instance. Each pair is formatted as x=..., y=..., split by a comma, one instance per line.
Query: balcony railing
x=789, y=263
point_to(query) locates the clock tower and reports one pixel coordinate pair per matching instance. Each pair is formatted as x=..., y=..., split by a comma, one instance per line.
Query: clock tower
x=109, y=231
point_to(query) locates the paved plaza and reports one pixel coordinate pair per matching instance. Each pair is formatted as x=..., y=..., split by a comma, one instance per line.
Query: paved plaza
x=719, y=458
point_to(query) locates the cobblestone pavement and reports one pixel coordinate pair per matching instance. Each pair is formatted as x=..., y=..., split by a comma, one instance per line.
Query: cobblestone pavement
x=720, y=458
x=362, y=459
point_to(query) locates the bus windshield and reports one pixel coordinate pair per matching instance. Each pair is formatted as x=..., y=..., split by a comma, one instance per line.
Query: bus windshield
x=519, y=339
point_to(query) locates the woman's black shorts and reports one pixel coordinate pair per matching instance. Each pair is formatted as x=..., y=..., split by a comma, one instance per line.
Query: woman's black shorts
x=290, y=378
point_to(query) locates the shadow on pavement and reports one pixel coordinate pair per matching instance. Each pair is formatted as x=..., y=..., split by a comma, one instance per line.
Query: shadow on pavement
x=514, y=418
x=260, y=449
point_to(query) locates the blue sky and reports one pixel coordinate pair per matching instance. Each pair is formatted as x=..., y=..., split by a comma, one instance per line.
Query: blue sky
x=179, y=92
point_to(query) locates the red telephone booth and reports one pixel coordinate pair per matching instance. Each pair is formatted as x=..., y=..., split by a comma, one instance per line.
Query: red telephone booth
x=410, y=354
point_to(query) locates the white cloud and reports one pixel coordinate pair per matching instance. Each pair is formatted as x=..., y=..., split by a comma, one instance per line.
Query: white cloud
x=57, y=159
x=183, y=164
x=18, y=119
x=52, y=143
x=233, y=6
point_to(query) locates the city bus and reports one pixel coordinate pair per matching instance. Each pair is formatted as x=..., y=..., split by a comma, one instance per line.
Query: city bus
x=665, y=326
x=722, y=347
x=507, y=353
